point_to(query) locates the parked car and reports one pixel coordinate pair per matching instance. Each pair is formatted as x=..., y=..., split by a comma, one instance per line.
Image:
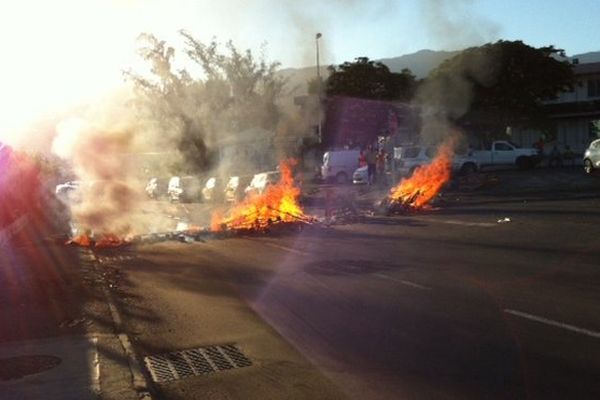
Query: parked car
x=156, y=188
x=361, y=176
x=502, y=152
x=184, y=189
x=213, y=191
x=591, y=157
x=235, y=189
x=339, y=165
x=412, y=157
x=261, y=181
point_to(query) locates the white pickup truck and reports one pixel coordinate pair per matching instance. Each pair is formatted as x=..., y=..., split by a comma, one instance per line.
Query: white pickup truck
x=502, y=152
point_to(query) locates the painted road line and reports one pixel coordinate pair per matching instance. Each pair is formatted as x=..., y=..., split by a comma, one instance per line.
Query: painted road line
x=138, y=379
x=291, y=250
x=557, y=324
x=402, y=281
x=456, y=222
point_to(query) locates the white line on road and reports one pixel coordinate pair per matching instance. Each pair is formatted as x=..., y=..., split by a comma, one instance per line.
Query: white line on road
x=138, y=379
x=402, y=281
x=291, y=250
x=550, y=322
x=382, y=276
x=456, y=222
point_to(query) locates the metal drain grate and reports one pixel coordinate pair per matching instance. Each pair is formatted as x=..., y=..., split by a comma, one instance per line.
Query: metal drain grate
x=201, y=361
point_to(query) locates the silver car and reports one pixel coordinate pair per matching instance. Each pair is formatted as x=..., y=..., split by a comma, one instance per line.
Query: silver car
x=591, y=157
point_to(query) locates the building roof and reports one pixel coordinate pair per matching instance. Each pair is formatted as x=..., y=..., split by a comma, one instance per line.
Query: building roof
x=587, y=68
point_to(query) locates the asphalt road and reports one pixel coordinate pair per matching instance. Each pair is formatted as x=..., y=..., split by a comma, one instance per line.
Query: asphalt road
x=449, y=303
x=444, y=304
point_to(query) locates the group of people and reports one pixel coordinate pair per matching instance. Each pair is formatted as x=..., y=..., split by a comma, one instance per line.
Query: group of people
x=555, y=158
x=375, y=162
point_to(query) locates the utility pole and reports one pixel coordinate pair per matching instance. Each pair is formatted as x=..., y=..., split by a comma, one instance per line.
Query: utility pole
x=319, y=89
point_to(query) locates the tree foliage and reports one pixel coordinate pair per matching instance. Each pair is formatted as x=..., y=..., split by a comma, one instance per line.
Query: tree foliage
x=369, y=79
x=487, y=88
x=232, y=92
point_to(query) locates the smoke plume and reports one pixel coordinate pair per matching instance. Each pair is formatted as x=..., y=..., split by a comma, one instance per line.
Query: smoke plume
x=442, y=98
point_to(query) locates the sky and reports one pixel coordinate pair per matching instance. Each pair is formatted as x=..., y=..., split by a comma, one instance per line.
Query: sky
x=59, y=53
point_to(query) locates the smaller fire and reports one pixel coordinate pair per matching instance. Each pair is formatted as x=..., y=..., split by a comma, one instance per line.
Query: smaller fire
x=425, y=183
x=278, y=203
x=100, y=242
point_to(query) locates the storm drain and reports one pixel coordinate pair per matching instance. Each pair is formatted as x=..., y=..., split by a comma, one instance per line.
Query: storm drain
x=201, y=361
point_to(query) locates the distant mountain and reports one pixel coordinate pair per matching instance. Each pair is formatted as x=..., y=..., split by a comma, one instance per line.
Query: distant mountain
x=420, y=63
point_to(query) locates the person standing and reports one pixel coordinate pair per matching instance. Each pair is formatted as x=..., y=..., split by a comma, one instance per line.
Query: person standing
x=362, y=160
x=371, y=157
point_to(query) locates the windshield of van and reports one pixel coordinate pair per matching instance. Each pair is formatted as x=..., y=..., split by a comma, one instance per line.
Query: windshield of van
x=411, y=152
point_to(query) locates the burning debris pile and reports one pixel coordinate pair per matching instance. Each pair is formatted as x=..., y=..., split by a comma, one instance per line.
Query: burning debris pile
x=258, y=212
x=277, y=207
x=415, y=192
x=100, y=242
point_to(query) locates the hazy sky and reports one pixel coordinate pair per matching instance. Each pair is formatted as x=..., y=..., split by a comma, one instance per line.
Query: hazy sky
x=58, y=52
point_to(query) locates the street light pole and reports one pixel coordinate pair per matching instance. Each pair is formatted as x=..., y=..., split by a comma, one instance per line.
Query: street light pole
x=317, y=37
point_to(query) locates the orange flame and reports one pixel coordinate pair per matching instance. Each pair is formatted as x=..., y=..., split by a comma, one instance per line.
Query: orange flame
x=104, y=241
x=279, y=202
x=80, y=240
x=427, y=180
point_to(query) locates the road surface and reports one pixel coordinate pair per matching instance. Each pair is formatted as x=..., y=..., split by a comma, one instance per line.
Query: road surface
x=481, y=297
x=446, y=304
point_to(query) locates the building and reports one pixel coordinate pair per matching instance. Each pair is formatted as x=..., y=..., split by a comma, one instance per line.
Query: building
x=353, y=121
x=576, y=113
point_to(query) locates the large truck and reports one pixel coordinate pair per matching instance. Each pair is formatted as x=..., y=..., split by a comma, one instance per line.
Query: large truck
x=503, y=152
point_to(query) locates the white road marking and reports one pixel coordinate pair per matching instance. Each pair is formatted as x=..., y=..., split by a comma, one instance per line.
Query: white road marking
x=402, y=281
x=557, y=324
x=138, y=380
x=456, y=222
x=95, y=370
x=382, y=276
x=291, y=250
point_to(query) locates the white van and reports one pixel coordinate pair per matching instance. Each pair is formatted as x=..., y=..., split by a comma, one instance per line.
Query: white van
x=338, y=165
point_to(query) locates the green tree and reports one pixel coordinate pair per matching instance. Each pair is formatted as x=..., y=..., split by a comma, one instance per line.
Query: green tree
x=369, y=79
x=234, y=91
x=242, y=88
x=168, y=102
x=485, y=89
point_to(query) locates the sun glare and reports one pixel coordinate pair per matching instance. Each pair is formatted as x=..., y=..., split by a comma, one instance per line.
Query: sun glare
x=62, y=53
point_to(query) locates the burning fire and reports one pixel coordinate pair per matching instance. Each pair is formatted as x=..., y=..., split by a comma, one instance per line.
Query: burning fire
x=103, y=241
x=278, y=203
x=426, y=182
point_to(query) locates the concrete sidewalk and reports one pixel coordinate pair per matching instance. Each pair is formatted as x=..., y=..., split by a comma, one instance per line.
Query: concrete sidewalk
x=62, y=368
x=57, y=337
